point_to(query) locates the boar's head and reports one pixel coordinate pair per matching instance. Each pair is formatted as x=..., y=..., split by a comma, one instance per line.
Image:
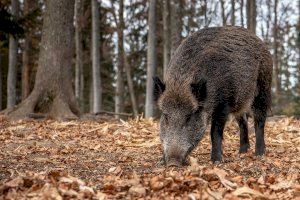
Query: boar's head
x=183, y=119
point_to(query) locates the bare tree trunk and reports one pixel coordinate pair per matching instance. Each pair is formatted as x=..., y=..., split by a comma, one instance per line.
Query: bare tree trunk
x=223, y=12
x=269, y=20
x=81, y=96
x=130, y=86
x=242, y=13
x=176, y=24
x=12, y=63
x=53, y=91
x=119, y=100
x=275, y=55
x=298, y=30
x=96, y=57
x=151, y=59
x=29, y=5
x=205, y=14
x=91, y=95
x=25, y=68
x=1, y=81
x=166, y=34
x=298, y=39
x=191, y=16
x=79, y=55
x=233, y=12
x=251, y=15
x=123, y=61
x=298, y=44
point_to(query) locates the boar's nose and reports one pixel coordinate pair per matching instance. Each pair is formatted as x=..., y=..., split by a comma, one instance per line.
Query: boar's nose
x=174, y=163
x=175, y=156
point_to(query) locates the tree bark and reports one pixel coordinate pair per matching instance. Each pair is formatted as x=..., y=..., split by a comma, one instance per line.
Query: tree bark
x=275, y=55
x=298, y=42
x=1, y=85
x=25, y=68
x=130, y=86
x=191, y=16
x=223, y=12
x=119, y=99
x=53, y=91
x=151, y=59
x=91, y=95
x=298, y=45
x=251, y=15
x=269, y=20
x=205, y=14
x=176, y=25
x=29, y=6
x=166, y=34
x=232, y=12
x=79, y=54
x=96, y=57
x=242, y=13
x=12, y=63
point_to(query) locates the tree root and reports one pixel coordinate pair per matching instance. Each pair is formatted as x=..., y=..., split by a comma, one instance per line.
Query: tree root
x=60, y=109
x=24, y=108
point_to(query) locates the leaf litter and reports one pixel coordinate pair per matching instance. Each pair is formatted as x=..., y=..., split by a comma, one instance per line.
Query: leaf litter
x=109, y=159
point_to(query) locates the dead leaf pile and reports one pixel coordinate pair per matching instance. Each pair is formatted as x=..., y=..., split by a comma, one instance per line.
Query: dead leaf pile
x=107, y=159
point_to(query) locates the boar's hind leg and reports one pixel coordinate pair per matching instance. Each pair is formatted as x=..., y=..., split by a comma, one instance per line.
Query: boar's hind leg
x=260, y=107
x=244, y=140
x=218, y=122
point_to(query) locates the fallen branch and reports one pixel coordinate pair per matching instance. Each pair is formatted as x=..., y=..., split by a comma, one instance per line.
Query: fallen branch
x=114, y=113
x=36, y=115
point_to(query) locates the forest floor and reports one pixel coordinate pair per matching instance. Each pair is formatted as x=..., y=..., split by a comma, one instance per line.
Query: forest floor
x=107, y=159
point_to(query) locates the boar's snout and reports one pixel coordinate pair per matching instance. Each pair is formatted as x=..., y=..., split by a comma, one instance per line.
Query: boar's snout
x=175, y=156
x=174, y=163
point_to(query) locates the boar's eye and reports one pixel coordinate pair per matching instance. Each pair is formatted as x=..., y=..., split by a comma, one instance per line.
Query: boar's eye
x=188, y=117
x=198, y=111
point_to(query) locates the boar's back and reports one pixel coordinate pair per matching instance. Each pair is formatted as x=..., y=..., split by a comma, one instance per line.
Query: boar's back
x=231, y=59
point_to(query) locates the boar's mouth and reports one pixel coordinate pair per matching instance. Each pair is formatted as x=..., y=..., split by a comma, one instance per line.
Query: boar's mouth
x=181, y=161
x=174, y=163
x=177, y=162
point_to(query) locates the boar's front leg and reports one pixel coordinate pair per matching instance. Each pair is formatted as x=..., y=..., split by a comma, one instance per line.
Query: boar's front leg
x=219, y=119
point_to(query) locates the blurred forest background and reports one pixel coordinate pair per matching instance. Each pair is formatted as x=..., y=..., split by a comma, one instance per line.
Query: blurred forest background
x=116, y=46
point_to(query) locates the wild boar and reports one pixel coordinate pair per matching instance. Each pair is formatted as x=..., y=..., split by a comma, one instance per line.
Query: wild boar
x=213, y=73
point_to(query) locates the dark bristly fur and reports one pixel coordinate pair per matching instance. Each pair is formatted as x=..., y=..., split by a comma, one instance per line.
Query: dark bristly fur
x=213, y=73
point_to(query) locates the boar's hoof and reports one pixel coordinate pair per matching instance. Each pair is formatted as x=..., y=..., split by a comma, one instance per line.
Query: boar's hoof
x=216, y=157
x=259, y=156
x=244, y=148
x=217, y=162
x=260, y=152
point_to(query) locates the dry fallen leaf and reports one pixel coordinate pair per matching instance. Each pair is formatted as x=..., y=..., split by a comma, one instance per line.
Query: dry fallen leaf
x=100, y=196
x=215, y=195
x=237, y=179
x=246, y=191
x=15, y=182
x=115, y=170
x=108, y=159
x=137, y=190
x=281, y=185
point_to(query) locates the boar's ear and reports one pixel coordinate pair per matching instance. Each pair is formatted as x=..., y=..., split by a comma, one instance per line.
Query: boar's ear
x=159, y=88
x=199, y=89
